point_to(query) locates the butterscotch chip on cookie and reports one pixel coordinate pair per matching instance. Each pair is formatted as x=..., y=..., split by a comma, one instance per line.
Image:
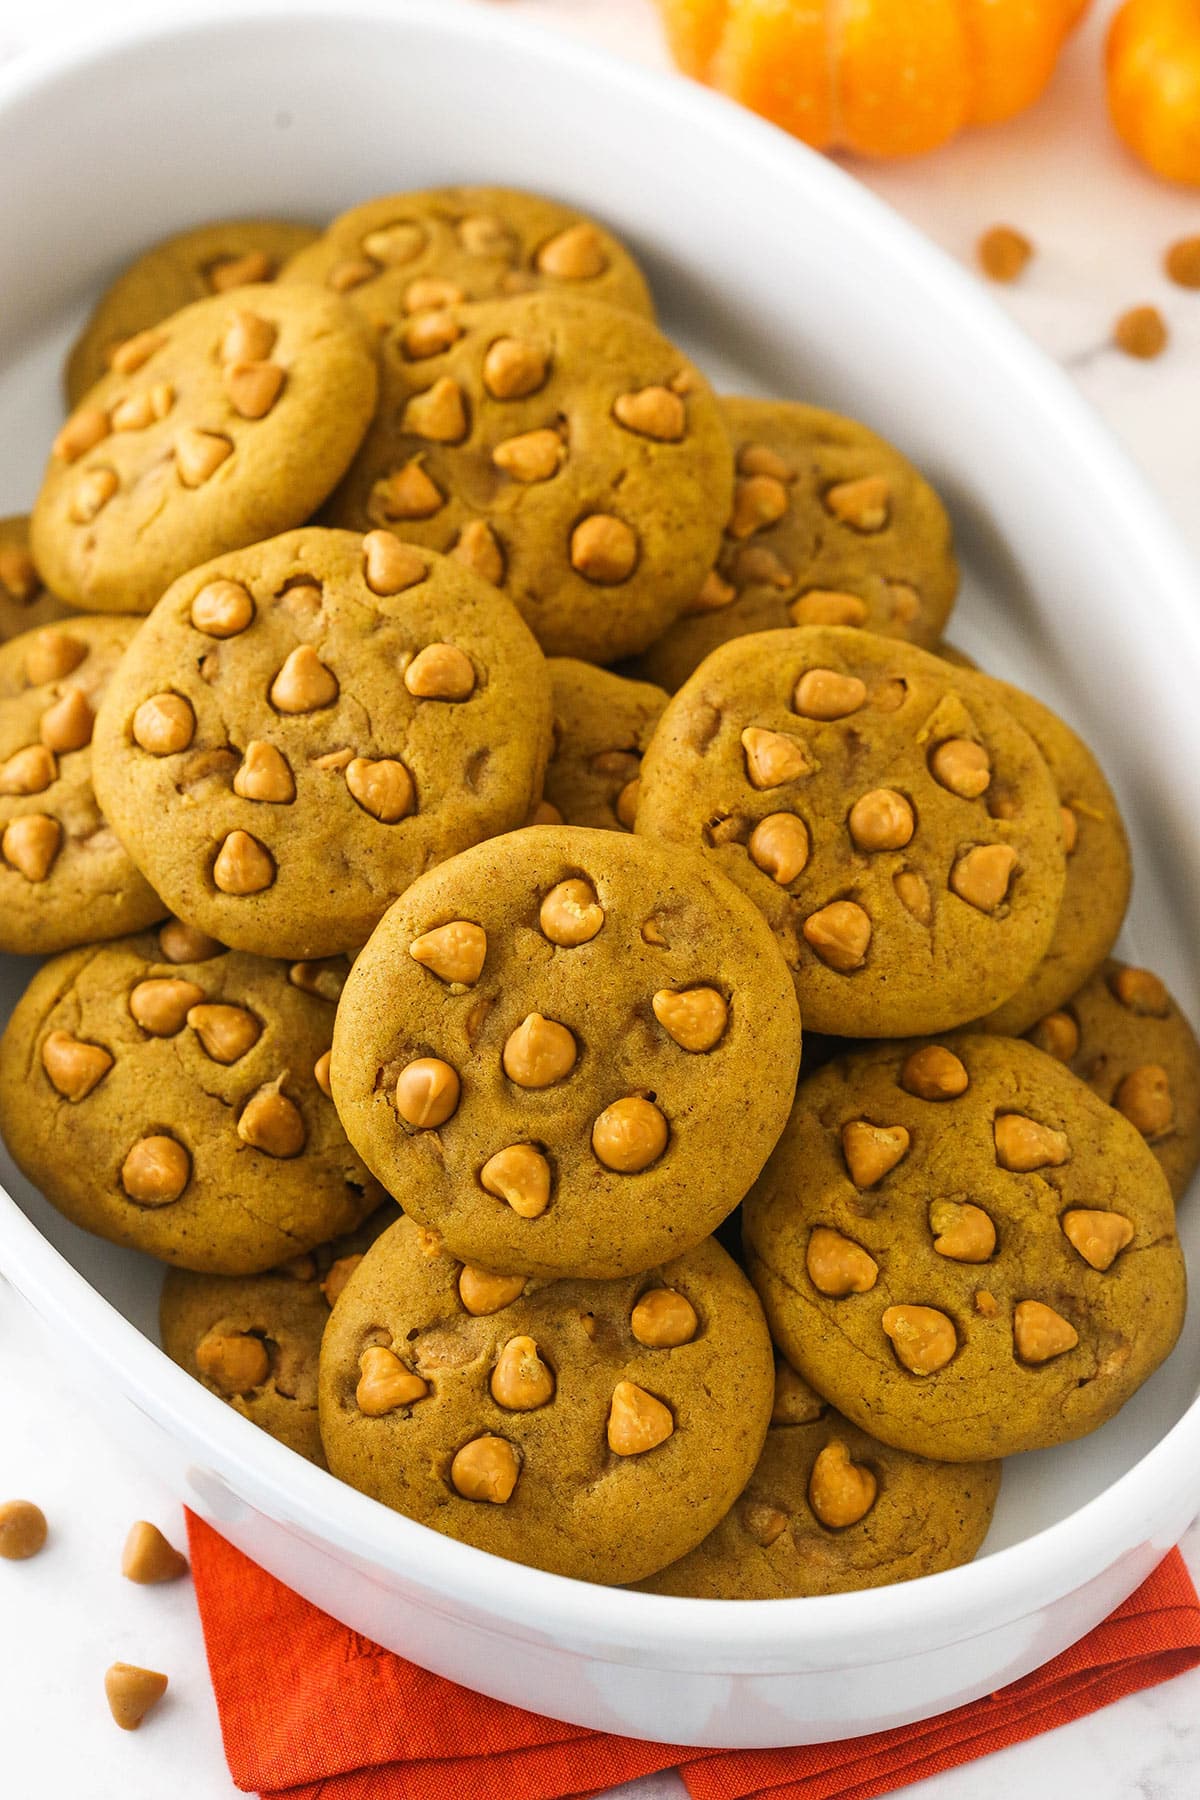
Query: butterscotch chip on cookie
x=168, y=1096
x=597, y=1429
x=405, y=257
x=1126, y=1037
x=227, y=422
x=602, y=725
x=888, y=815
x=567, y=1051
x=830, y=525
x=304, y=726
x=831, y=1510
x=64, y=876
x=566, y=451
x=25, y=601
x=255, y=1340
x=208, y=259
x=964, y=1248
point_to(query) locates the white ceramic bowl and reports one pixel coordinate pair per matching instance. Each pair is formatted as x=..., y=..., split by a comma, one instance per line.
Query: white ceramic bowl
x=783, y=276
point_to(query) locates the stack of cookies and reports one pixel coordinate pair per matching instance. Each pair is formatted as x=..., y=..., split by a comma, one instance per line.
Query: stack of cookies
x=427, y=993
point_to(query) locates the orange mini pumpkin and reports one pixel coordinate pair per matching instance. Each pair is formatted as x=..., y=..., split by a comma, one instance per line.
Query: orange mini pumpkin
x=884, y=77
x=1154, y=84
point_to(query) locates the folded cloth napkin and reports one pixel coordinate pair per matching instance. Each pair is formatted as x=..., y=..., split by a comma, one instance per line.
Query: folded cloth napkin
x=312, y=1711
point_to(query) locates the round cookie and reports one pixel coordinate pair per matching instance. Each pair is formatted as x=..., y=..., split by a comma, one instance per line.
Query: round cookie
x=831, y=1510
x=24, y=602
x=964, y=1249
x=568, y=1051
x=304, y=726
x=602, y=725
x=223, y=424
x=1099, y=870
x=169, y=1095
x=598, y=1429
x=562, y=449
x=64, y=876
x=208, y=259
x=255, y=1340
x=830, y=525
x=410, y=254
x=894, y=823
x=1125, y=1036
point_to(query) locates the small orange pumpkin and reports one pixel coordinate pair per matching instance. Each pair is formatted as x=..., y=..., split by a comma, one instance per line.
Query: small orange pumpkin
x=1153, y=58
x=883, y=77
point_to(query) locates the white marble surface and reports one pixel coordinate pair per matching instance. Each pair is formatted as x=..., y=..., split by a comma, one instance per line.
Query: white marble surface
x=1100, y=227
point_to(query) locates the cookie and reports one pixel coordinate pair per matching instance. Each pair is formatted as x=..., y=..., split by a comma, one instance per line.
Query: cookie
x=598, y=1429
x=64, y=877
x=830, y=526
x=172, y=1096
x=223, y=424
x=24, y=602
x=564, y=450
x=894, y=823
x=1099, y=872
x=255, y=1340
x=568, y=1051
x=1125, y=1036
x=208, y=259
x=602, y=725
x=831, y=1510
x=964, y=1249
x=304, y=726
x=409, y=255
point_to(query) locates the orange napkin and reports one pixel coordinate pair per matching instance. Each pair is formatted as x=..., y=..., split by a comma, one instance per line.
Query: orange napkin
x=312, y=1711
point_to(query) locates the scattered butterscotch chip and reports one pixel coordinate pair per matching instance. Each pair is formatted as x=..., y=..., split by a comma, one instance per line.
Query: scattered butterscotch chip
x=148, y=1558
x=1141, y=332
x=132, y=1693
x=1003, y=253
x=22, y=1530
x=1182, y=262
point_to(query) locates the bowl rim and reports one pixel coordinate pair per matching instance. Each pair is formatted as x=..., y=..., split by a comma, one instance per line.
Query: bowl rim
x=849, y=1629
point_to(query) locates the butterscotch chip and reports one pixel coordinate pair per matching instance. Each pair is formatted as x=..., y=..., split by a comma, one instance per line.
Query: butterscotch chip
x=226, y=1032
x=28, y=771
x=427, y=1092
x=486, y=1469
x=248, y=338
x=391, y=566
x=1023, y=1144
x=1003, y=253
x=132, y=1692
x=236, y=271
x=222, y=609
x=1057, y=1034
x=521, y=1176
x=384, y=789
x=23, y=1530
x=862, y=504
x=478, y=549
x=923, y=1338
x=264, y=775
x=386, y=1383
x=836, y=1265
x=604, y=549
x=82, y=431
x=1141, y=332
x=272, y=1123
x=637, y=1421
x=155, y=1171
x=1040, y=1333
x=30, y=845
x=440, y=672
x=779, y=846
x=512, y=369
x=453, y=952
x=73, y=1065
x=521, y=1380
x=663, y=1319
x=570, y=913
x=653, y=412
x=243, y=865
x=934, y=1073
x=962, y=766
x=630, y=1135
x=696, y=1018
x=840, y=1492
x=180, y=943
x=539, y=1052
x=881, y=820
x=1182, y=262
x=148, y=1558
x=982, y=875
x=872, y=1151
x=820, y=606
x=1098, y=1236
x=164, y=724
x=774, y=757
x=161, y=1005
x=962, y=1232
x=482, y=1293
x=840, y=934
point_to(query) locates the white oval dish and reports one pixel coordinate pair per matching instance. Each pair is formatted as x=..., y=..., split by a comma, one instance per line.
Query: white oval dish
x=781, y=275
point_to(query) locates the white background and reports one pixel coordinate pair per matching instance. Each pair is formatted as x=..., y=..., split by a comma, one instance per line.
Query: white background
x=1100, y=226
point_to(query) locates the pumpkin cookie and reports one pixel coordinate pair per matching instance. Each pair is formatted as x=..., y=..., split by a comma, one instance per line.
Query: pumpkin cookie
x=602, y=725
x=227, y=422
x=173, y=1096
x=830, y=526
x=830, y=1510
x=208, y=259
x=1125, y=1036
x=597, y=1429
x=569, y=1051
x=24, y=602
x=964, y=1249
x=411, y=255
x=255, y=1340
x=64, y=877
x=564, y=450
x=304, y=726
x=1099, y=872
x=894, y=823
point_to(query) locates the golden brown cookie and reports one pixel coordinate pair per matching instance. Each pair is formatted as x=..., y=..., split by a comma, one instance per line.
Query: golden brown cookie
x=223, y=424
x=597, y=1429
x=306, y=725
x=208, y=259
x=255, y=1340
x=568, y=1051
x=1125, y=1036
x=64, y=877
x=1099, y=871
x=24, y=602
x=564, y=450
x=831, y=1510
x=409, y=255
x=830, y=526
x=964, y=1249
x=172, y=1096
x=896, y=826
x=602, y=725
